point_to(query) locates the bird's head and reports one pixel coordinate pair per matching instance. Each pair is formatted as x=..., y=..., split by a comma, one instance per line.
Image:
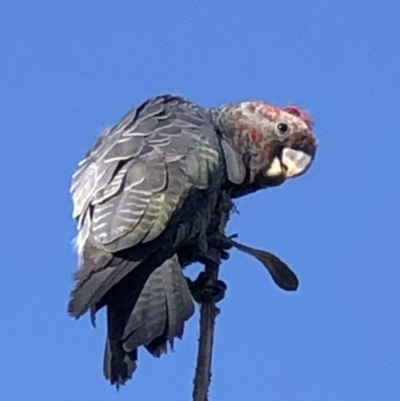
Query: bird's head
x=273, y=143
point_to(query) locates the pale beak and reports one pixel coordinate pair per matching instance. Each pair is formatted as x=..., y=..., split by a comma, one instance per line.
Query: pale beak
x=276, y=169
x=295, y=161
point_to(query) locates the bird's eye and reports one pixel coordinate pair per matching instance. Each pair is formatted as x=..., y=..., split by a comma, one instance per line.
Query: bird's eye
x=283, y=127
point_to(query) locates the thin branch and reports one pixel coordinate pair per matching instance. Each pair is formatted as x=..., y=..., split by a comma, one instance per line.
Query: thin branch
x=208, y=310
x=208, y=313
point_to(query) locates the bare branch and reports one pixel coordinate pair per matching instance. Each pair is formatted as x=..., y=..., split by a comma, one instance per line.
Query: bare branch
x=208, y=310
x=208, y=313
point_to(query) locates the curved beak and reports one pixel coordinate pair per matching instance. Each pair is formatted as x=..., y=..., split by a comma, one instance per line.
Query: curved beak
x=290, y=164
x=295, y=162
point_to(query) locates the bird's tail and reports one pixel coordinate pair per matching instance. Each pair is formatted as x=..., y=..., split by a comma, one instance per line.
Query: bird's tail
x=149, y=307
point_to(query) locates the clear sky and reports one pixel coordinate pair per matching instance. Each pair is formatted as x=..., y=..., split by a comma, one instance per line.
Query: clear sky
x=70, y=68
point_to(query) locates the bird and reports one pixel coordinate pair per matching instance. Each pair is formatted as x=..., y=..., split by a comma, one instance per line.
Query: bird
x=145, y=196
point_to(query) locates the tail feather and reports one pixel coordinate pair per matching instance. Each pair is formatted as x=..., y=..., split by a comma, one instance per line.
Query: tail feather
x=149, y=315
x=118, y=369
x=179, y=299
x=148, y=308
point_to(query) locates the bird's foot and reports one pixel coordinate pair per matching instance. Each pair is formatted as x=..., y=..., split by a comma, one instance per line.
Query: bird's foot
x=207, y=289
x=218, y=246
x=220, y=241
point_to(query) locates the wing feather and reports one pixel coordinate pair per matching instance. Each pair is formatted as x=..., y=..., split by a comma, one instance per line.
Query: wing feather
x=141, y=171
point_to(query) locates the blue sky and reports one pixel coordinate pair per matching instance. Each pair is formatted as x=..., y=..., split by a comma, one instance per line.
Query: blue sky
x=68, y=69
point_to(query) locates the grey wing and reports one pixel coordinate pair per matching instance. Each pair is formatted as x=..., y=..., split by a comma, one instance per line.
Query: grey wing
x=138, y=175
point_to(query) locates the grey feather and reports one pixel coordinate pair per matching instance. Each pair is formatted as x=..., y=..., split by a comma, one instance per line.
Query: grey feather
x=234, y=165
x=179, y=299
x=147, y=187
x=164, y=305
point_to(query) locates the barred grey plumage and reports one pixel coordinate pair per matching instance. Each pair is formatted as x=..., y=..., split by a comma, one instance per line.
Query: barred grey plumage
x=148, y=188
